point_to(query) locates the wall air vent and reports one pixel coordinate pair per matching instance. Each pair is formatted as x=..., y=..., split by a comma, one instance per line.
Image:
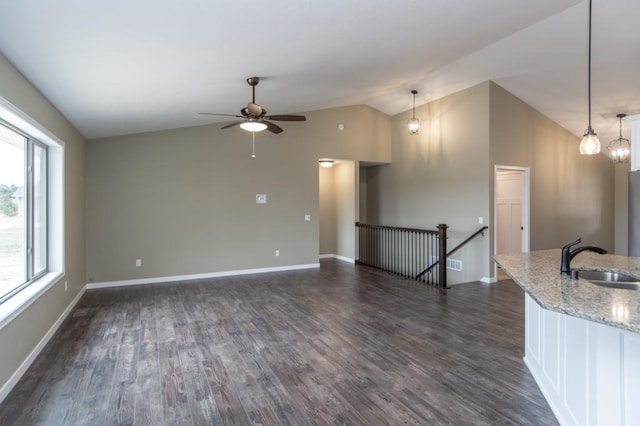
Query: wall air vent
x=453, y=264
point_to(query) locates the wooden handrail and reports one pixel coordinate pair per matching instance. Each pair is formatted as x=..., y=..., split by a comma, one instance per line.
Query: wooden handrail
x=397, y=228
x=479, y=231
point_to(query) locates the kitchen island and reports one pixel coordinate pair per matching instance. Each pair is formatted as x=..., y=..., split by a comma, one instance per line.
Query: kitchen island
x=582, y=341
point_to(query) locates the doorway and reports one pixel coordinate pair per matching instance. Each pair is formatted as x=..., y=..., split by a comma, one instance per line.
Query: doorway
x=511, y=207
x=338, y=210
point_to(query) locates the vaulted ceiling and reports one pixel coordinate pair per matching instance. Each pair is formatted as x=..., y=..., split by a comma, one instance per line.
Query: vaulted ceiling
x=121, y=66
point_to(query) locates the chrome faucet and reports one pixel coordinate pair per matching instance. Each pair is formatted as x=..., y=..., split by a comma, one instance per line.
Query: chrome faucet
x=568, y=254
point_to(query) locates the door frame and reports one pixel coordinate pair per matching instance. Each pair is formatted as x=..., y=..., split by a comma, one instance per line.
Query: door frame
x=526, y=206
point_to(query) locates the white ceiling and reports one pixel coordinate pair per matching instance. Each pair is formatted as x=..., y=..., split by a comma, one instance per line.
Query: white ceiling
x=121, y=66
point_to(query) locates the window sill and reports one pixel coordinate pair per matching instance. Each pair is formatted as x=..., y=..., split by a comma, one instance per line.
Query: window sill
x=13, y=307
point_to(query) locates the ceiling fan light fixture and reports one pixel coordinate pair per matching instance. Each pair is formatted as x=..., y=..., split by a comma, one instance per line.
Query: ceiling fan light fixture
x=253, y=126
x=413, y=125
x=326, y=163
x=620, y=149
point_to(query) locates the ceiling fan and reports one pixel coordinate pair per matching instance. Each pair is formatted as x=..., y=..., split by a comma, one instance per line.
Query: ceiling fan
x=255, y=118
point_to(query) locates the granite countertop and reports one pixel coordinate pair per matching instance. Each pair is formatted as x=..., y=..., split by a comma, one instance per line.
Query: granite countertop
x=538, y=273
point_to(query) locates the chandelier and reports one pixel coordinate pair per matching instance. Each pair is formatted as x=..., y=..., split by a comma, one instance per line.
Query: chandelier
x=620, y=149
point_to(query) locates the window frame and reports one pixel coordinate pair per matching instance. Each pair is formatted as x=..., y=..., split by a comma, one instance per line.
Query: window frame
x=29, y=195
x=13, y=307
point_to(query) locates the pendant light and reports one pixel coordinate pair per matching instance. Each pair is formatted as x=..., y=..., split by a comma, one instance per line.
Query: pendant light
x=413, y=125
x=590, y=144
x=620, y=149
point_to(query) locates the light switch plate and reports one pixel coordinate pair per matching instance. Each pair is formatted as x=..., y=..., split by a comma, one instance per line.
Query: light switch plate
x=307, y=217
x=261, y=198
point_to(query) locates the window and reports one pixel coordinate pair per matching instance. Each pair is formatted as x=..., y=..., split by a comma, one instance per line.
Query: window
x=23, y=210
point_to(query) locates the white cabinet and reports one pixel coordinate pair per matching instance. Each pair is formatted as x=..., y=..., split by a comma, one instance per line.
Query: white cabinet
x=588, y=372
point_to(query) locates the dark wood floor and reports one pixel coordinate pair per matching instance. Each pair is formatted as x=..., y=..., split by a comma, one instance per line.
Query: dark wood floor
x=338, y=345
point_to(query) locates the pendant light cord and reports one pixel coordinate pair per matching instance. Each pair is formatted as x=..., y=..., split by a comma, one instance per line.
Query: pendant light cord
x=414, y=93
x=620, y=116
x=414, y=106
x=589, y=71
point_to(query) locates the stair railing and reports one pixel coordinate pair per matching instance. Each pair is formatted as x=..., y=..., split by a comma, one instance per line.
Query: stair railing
x=404, y=251
x=456, y=248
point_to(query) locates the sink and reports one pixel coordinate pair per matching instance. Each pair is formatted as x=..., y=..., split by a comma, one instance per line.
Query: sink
x=607, y=276
x=611, y=279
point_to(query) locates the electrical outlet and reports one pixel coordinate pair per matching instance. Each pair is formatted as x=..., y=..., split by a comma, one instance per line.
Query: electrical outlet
x=138, y=263
x=261, y=198
x=277, y=252
x=307, y=217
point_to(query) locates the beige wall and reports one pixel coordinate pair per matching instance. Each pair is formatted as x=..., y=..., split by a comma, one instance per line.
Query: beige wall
x=622, y=208
x=439, y=176
x=183, y=200
x=571, y=195
x=445, y=175
x=328, y=217
x=345, y=190
x=362, y=194
x=20, y=337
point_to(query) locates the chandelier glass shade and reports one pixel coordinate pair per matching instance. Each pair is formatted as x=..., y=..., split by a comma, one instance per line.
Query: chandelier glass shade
x=590, y=143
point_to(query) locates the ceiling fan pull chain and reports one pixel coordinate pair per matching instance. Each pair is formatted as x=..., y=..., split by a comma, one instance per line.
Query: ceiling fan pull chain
x=253, y=152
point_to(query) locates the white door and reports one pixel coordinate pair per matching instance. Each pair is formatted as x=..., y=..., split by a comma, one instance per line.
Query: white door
x=509, y=211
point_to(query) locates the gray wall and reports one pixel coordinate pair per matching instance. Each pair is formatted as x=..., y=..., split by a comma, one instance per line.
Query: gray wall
x=445, y=175
x=571, y=195
x=345, y=190
x=19, y=338
x=622, y=208
x=183, y=200
x=439, y=176
x=362, y=194
x=328, y=216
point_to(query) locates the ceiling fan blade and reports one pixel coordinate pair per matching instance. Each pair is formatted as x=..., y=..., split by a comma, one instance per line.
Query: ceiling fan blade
x=232, y=124
x=226, y=115
x=286, y=117
x=273, y=128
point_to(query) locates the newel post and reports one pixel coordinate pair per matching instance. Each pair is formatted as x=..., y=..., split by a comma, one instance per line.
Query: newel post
x=442, y=255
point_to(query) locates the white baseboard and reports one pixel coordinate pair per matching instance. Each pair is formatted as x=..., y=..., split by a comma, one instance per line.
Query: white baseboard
x=17, y=375
x=489, y=280
x=157, y=280
x=337, y=256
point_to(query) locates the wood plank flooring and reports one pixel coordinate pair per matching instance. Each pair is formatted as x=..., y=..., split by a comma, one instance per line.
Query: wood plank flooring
x=343, y=344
